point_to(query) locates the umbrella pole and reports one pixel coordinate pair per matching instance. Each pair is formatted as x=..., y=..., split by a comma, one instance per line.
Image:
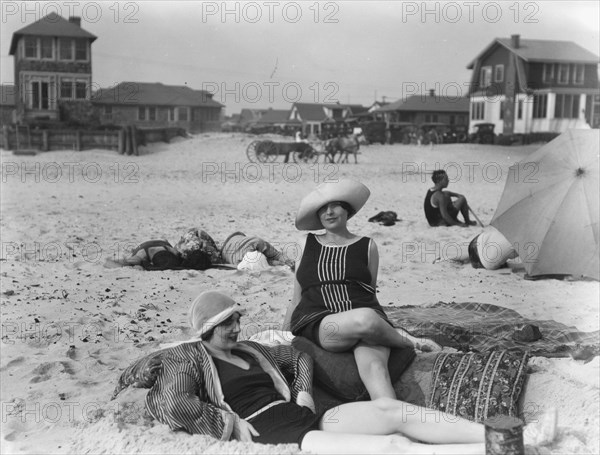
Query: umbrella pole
x=473, y=213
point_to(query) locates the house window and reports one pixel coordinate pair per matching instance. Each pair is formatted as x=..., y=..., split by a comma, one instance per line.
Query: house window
x=499, y=73
x=171, y=114
x=567, y=106
x=81, y=48
x=563, y=73
x=108, y=111
x=65, y=49
x=501, y=116
x=152, y=114
x=66, y=89
x=539, y=106
x=520, y=109
x=80, y=90
x=478, y=110
x=548, y=74
x=578, y=72
x=30, y=47
x=47, y=48
x=183, y=114
x=485, y=77
x=40, y=95
x=141, y=113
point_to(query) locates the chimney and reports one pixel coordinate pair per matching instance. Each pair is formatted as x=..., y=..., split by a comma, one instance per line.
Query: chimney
x=431, y=92
x=514, y=41
x=75, y=20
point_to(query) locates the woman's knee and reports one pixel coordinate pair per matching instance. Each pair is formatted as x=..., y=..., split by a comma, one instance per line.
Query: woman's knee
x=365, y=320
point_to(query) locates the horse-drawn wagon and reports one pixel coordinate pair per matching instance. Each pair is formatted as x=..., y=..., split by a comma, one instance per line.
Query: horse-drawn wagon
x=267, y=151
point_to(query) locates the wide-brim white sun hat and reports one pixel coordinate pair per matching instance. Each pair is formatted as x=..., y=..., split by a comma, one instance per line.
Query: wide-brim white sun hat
x=209, y=309
x=350, y=191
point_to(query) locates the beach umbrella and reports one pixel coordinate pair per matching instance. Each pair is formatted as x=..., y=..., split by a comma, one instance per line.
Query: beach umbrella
x=549, y=207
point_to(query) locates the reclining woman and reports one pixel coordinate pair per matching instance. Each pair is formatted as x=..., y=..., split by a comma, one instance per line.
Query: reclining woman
x=334, y=303
x=215, y=385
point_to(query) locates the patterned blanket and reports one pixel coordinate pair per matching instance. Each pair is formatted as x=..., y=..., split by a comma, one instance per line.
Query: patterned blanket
x=481, y=327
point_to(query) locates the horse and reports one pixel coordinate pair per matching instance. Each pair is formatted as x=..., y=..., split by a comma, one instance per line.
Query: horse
x=345, y=146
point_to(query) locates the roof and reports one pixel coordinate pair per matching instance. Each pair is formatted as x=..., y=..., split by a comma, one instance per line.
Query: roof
x=428, y=103
x=154, y=94
x=315, y=112
x=533, y=50
x=275, y=116
x=7, y=95
x=50, y=25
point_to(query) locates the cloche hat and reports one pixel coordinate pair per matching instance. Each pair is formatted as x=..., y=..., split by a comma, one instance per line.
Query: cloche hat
x=211, y=308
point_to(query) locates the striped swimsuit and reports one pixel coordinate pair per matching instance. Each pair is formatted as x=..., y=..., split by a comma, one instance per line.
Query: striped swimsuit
x=333, y=279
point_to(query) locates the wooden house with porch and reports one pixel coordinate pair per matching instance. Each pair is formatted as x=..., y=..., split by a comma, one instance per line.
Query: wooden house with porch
x=146, y=104
x=528, y=86
x=52, y=62
x=427, y=108
x=8, y=105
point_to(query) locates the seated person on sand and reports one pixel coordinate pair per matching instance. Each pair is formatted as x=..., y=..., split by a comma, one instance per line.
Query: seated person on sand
x=489, y=250
x=214, y=384
x=440, y=209
x=197, y=250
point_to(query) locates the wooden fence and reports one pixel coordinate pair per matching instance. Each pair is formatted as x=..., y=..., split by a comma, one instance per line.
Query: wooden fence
x=124, y=140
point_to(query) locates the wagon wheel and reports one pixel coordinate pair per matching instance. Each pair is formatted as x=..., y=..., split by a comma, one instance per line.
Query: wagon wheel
x=309, y=155
x=251, y=151
x=267, y=152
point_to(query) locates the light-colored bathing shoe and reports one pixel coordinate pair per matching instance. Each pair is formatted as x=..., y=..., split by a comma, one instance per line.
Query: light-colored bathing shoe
x=543, y=431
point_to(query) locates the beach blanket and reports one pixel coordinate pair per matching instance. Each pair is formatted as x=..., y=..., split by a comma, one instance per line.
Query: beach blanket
x=481, y=327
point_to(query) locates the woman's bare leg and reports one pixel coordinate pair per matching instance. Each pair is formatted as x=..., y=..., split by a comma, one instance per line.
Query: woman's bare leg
x=323, y=442
x=372, y=363
x=342, y=331
x=388, y=416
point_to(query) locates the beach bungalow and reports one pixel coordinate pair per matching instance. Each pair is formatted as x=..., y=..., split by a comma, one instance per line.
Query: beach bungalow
x=147, y=104
x=427, y=108
x=527, y=86
x=52, y=62
x=313, y=116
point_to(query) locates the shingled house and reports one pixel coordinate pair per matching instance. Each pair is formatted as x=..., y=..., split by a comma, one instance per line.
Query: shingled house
x=146, y=104
x=52, y=62
x=526, y=86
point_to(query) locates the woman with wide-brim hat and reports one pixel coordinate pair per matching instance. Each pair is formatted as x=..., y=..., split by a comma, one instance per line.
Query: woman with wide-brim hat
x=335, y=303
x=214, y=384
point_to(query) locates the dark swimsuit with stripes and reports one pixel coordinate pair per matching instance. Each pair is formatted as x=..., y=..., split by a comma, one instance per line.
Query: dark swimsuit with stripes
x=247, y=391
x=333, y=279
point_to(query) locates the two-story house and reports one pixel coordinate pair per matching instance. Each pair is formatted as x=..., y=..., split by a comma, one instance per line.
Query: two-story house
x=526, y=86
x=52, y=62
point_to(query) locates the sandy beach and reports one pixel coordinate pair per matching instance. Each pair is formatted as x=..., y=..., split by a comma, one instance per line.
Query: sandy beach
x=70, y=325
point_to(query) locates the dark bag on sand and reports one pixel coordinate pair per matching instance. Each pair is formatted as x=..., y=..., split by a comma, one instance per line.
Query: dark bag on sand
x=161, y=260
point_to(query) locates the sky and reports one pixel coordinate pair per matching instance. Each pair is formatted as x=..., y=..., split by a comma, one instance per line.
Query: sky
x=272, y=53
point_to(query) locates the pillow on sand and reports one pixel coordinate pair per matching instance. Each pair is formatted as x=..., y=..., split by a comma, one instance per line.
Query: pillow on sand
x=477, y=386
x=337, y=373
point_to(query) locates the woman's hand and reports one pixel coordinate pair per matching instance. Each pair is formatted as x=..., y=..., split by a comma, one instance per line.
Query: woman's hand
x=243, y=431
x=427, y=345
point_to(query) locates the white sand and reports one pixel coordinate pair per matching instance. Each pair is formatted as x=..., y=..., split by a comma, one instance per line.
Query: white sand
x=57, y=232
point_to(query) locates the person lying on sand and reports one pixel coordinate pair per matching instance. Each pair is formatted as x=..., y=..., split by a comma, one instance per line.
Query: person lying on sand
x=488, y=250
x=214, y=384
x=197, y=250
x=440, y=209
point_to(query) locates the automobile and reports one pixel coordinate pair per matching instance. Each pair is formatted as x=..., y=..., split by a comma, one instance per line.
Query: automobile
x=483, y=134
x=435, y=132
x=457, y=134
x=401, y=132
x=374, y=131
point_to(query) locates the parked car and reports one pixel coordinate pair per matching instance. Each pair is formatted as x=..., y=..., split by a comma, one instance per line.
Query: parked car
x=457, y=134
x=483, y=134
x=434, y=132
x=401, y=132
x=374, y=131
